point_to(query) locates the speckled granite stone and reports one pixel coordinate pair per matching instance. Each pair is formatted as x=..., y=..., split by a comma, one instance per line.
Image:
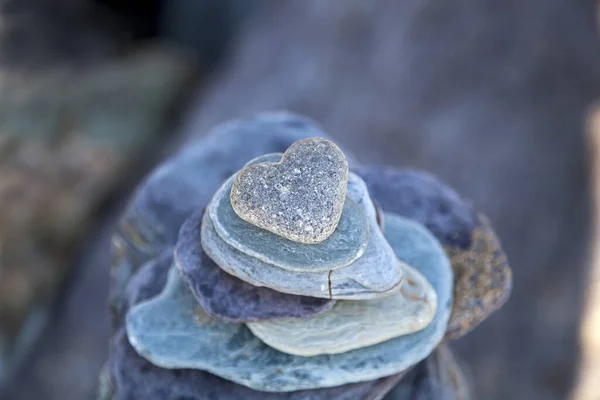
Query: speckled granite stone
x=483, y=278
x=301, y=197
x=172, y=331
x=226, y=297
x=355, y=324
x=346, y=244
x=372, y=275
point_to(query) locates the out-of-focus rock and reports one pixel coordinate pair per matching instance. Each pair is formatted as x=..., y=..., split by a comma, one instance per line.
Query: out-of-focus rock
x=439, y=377
x=37, y=35
x=68, y=138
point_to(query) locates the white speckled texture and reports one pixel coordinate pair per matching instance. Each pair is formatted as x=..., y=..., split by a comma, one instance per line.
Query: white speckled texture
x=301, y=197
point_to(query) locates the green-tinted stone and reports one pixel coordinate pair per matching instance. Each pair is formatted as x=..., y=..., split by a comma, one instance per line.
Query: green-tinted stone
x=352, y=324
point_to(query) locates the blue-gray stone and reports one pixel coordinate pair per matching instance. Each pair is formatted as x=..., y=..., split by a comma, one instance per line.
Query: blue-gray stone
x=346, y=244
x=372, y=275
x=172, y=331
x=131, y=377
x=150, y=279
x=226, y=297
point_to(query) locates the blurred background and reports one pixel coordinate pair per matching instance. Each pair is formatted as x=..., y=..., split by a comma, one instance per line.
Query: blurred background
x=496, y=98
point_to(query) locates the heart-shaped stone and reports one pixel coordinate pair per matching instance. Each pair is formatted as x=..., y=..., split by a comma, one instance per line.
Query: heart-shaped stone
x=299, y=198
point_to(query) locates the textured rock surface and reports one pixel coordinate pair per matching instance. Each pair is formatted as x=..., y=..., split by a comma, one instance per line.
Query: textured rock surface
x=187, y=182
x=354, y=324
x=300, y=198
x=347, y=243
x=68, y=138
x=482, y=275
x=226, y=297
x=172, y=331
x=372, y=275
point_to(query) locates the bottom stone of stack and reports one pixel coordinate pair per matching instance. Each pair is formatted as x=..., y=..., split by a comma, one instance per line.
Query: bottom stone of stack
x=131, y=377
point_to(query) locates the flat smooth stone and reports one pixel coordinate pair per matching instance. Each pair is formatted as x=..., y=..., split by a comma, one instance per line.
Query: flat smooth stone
x=134, y=378
x=131, y=377
x=226, y=297
x=372, y=275
x=345, y=245
x=172, y=331
x=354, y=324
x=483, y=278
x=299, y=198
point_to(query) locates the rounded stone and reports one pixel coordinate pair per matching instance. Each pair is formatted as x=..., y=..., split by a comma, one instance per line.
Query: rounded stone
x=299, y=198
x=354, y=324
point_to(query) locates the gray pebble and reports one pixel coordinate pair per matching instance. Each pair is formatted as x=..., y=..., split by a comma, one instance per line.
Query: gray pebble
x=300, y=198
x=134, y=378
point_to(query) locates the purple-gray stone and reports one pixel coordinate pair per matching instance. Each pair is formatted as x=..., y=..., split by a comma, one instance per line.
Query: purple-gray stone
x=420, y=196
x=482, y=275
x=226, y=297
x=438, y=377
